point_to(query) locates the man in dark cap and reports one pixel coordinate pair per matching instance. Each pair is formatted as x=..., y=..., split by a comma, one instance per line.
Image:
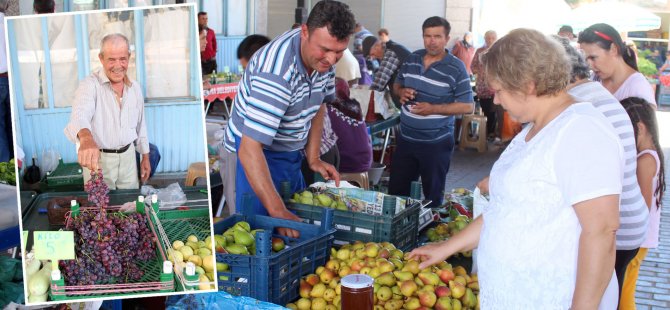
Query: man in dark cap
x=390, y=56
x=567, y=32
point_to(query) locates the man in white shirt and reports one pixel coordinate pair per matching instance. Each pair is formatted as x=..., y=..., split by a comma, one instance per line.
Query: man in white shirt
x=108, y=122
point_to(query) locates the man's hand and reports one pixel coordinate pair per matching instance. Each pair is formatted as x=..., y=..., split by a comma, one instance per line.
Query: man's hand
x=327, y=171
x=422, y=108
x=145, y=168
x=283, y=213
x=88, y=155
x=406, y=94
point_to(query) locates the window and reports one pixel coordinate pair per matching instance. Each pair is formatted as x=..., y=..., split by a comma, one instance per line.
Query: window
x=84, y=5
x=227, y=17
x=167, y=52
x=30, y=65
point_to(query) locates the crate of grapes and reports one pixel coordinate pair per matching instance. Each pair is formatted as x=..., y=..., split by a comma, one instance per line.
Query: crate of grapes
x=117, y=253
x=268, y=275
x=187, y=228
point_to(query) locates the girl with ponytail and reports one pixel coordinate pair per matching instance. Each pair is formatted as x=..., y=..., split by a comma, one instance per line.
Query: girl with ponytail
x=614, y=63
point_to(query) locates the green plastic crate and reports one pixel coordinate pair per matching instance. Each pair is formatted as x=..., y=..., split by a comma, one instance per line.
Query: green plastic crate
x=179, y=224
x=66, y=174
x=401, y=229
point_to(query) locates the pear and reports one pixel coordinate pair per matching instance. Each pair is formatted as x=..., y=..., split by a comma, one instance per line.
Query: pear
x=469, y=299
x=372, y=250
x=330, y=307
x=177, y=244
x=327, y=275
x=221, y=267
x=460, y=271
x=192, y=238
x=393, y=304
x=312, y=279
x=446, y=275
x=291, y=306
x=333, y=265
x=412, y=303
x=427, y=298
x=242, y=225
x=305, y=289
x=237, y=249
x=374, y=272
x=443, y=303
x=387, y=279
x=384, y=293
x=186, y=251
x=403, y=275
x=385, y=266
x=320, y=269
x=307, y=194
x=329, y=295
x=324, y=200
x=343, y=254
x=319, y=304
x=408, y=288
x=203, y=252
x=442, y=291
x=304, y=304
x=318, y=290
x=461, y=280
x=457, y=304
x=457, y=289
x=243, y=237
x=397, y=263
x=411, y=266
x=334, y=283
x=344, y=271
x=338, y=300
x=473, y=286
x=429, y=278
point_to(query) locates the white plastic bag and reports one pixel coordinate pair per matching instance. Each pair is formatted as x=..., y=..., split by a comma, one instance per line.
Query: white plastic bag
x=49, y=161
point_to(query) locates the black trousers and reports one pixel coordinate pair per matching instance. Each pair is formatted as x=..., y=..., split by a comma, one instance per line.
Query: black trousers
x=623, y=258
x=208, y=66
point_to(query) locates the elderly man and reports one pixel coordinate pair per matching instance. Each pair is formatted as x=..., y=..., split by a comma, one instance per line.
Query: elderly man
x=279, y=109
x=433, y=86
x=107, y=122
x=391, y=56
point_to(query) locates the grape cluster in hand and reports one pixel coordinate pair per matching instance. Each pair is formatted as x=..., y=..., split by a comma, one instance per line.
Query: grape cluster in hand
x=97, y=189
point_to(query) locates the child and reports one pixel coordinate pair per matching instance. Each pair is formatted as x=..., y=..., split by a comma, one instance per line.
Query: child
x=650, y=176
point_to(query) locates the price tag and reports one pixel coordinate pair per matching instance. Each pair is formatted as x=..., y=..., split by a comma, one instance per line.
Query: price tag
x=54, y=245
x=25, y=239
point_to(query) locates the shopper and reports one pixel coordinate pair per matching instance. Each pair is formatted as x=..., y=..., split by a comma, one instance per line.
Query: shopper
x=280, y=113
x=548, y=231
x=493, y=112
x=430, y=97
x=351, y=132
x=208, y=57
x=465, y=51
x=651, y=177
x=614, y=64
x=390, y=56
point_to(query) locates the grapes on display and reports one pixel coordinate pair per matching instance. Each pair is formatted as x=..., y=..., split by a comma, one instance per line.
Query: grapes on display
x=107, y=245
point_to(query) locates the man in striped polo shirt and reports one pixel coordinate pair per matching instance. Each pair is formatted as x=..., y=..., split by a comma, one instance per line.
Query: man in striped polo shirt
x=278, y=111
x=433, y=86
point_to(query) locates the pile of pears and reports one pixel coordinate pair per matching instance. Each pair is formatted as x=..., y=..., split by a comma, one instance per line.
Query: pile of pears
x=197, y=252
x=399, y=283
x=325, y=200
x=240, y=239
x=445, y=230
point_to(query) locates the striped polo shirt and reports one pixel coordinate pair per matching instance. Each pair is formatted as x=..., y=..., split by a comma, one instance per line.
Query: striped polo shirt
x=277, y=98
x=633, y=212
x=444, y=82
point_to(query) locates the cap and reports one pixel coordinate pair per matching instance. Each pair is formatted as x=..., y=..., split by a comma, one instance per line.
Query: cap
x=566, y=28
x=357, y=281
x=368, y=42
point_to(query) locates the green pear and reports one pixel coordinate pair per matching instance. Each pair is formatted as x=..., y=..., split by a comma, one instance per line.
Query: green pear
x=243, y=237
x=242, y=225
x=384, y=293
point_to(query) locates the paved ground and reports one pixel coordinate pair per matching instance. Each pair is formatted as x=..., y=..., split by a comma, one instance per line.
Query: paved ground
x=653, y=287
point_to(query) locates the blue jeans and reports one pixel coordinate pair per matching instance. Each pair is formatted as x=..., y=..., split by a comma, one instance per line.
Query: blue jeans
x=6, y=145
x=428, y=160
x=284, y=167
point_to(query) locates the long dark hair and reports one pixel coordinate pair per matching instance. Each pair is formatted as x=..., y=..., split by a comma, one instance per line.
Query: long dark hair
x=640, y=110
x=604, y=36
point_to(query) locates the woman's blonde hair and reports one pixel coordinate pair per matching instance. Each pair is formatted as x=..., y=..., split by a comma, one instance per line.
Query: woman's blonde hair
x=527, y=56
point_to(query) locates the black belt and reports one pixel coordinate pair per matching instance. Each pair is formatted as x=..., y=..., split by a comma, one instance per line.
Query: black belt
x=118, y=151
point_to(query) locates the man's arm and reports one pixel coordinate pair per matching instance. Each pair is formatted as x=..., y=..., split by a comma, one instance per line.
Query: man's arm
x=79, y=127
x=256, y=169
x=312, y=149
x=142, y=141
x=455, y=108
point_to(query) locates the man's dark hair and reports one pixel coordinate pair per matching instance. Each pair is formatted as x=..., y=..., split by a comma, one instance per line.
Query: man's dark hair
x=250, y=45
x=201, y=13
x=44, y=6
x=437, y=21
x=334, y=15
x=383, y=30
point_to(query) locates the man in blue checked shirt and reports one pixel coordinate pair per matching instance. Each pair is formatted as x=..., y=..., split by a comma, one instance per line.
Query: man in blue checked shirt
x=433, y=86
x=278, y=112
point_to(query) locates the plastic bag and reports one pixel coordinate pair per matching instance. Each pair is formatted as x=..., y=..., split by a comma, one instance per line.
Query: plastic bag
x=220, y=300
x=9, y=213
x=171, y=196
x=8, y=267
x=49, y=160
x=11, y=292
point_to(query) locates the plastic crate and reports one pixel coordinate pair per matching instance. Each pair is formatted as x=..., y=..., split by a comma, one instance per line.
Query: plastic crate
x=275, y=277
x=153, y=281
x=69, y=174
x=401, y=228
x=179, y=224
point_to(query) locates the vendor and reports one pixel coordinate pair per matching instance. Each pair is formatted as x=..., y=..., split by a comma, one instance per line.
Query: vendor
x=278, y=112
x=107, y=122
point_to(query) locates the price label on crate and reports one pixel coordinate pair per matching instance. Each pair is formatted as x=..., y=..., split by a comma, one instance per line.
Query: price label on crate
x=54, y=245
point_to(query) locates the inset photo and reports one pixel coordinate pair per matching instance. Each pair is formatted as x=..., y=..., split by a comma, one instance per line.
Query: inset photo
x=108, y=115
